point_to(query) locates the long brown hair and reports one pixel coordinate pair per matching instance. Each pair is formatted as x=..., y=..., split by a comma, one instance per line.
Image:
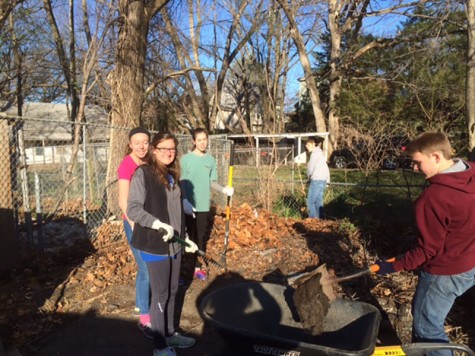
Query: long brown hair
x=159, y=170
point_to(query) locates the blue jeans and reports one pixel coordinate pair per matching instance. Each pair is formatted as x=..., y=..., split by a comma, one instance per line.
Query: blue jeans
x=433, y=300
x=315, y=198
x=142, y=282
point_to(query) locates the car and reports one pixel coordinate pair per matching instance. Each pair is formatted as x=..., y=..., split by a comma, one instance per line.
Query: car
x=385, y=152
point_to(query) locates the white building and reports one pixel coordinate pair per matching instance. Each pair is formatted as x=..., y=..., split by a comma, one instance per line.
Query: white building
x=47, y=131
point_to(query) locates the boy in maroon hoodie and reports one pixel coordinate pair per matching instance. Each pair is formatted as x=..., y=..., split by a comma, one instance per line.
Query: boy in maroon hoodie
x=445, y=250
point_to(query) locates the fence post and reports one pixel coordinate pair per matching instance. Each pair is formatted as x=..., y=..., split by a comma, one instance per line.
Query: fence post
x=23, y=167
x=24, y=184
x=257, y=152
x=39, y=216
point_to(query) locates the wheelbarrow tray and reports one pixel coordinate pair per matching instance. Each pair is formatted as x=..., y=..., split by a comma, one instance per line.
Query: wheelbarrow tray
x=260, y=318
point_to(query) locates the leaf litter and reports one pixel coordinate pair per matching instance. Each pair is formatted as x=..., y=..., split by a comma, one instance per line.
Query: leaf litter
x=262, y=247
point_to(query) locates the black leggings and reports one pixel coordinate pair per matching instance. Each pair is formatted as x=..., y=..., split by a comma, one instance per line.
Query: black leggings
x=198, y=230
x=164, y=276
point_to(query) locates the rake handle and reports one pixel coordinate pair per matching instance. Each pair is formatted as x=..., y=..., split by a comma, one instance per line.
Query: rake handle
x=184, y=243
x=228, y=204
x=199, y=252
x=180, y=240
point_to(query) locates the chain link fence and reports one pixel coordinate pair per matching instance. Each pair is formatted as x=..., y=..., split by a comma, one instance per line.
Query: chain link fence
x=36, y=156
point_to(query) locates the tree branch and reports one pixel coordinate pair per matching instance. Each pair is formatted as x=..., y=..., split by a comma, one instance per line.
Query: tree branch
x=176, y=74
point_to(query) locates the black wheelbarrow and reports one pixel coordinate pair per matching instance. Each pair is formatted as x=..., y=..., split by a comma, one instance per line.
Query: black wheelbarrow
x=259, y=318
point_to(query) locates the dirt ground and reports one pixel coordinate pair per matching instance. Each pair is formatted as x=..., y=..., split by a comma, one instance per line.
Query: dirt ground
x=107, y=327
x=78, y=300
x=118, y=334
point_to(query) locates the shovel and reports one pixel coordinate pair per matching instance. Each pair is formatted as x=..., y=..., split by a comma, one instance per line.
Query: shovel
x=327, y=280
x=335, y=279
x=203, y=254
x=228, y=206
x=370, y=270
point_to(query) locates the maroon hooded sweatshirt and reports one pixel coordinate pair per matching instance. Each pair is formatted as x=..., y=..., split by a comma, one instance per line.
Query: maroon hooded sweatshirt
x=445, y=216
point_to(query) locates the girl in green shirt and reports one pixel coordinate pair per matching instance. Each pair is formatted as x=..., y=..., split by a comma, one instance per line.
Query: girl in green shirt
x=198, y=176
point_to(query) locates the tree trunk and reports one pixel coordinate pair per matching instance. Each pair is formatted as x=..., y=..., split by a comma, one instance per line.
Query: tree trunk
x=127, y=82
x=335, y=76
x=470, y=94
x=195, y=35
x=307, y=68
x=18, y=128
x=68, y=65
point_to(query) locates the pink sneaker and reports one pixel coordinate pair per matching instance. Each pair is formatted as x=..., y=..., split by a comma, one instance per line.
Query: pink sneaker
x=200, y=274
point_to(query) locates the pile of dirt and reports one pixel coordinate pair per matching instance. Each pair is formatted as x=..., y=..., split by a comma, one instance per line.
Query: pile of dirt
x=312, y=304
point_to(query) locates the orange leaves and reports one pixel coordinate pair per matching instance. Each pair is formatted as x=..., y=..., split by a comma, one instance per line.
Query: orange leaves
x=249, y=227
x=260, y=242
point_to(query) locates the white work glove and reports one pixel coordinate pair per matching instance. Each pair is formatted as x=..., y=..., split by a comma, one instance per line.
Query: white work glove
x=188, y=208
x=191, y=247
x=169, y=231
x=229, y=191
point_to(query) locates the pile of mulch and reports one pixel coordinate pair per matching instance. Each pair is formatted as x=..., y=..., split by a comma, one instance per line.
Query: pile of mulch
x=260, y=244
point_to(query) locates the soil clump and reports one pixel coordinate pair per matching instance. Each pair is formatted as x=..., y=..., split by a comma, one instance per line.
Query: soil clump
x=312, y=304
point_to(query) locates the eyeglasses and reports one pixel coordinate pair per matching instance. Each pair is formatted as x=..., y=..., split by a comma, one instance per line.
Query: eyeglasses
x=165, y=149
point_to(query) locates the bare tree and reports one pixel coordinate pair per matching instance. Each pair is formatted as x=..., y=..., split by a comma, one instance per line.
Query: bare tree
x=371, y=144
x=90, y=73
x=127, y=78
x=6, y=7
x=196, y=106
x=258, y=78
x=6, y=202
x=68, y=63
x=231, y=53
x=345, y=18
x=198, y=95
x=104, y=17
x=290, y=11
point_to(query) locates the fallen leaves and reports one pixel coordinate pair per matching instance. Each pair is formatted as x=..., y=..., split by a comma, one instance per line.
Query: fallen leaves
x=262, y=246
x=260, y=243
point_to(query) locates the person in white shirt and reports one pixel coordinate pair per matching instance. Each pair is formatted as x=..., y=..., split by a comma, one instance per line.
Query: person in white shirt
x=318, y=174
